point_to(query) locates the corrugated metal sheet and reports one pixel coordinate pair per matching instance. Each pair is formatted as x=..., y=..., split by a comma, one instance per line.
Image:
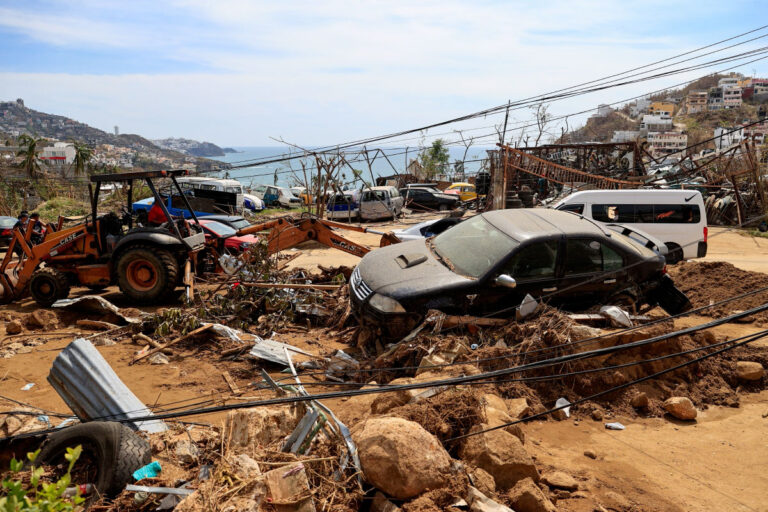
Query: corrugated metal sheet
x=92, y=389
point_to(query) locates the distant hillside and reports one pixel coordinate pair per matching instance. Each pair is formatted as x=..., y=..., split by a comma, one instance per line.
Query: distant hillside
x=600, y=129
x=17, y=119
x=190, y=147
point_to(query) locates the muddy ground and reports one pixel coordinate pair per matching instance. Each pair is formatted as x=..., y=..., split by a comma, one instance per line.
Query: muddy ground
x=657, y=463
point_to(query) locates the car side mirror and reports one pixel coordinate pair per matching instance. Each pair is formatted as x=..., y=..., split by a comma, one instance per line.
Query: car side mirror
x=505, y=280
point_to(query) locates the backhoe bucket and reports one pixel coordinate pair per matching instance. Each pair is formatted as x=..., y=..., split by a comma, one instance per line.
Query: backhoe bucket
x=7, y=286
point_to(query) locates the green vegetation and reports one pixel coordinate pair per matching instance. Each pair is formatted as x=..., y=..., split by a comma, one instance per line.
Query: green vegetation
x=434, y=159
x=26, y=491
x=83, y=155
x=28, y=150
x=65, y=206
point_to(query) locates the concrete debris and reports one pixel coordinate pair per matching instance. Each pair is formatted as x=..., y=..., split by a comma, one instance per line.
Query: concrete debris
x=446, y=355
x=499, y=453
x=92, y=389
x=259, y=425
x=526, y=496
x=479, y=502
x=187, y=452
x=13, y=327
x=400, y=458
x=749, y=371
x=680, y=407
x=288, y=489
x=560, y=480
x=245, y=466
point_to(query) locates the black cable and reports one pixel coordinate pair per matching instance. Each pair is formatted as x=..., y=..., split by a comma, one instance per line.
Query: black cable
x=610, y=390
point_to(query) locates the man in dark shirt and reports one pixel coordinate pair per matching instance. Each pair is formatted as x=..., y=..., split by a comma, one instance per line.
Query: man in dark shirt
x=37, y=227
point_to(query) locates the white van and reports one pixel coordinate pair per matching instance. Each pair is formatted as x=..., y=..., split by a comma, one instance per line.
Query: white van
x=215, y=184
x=380, y=203
x=676, y=217
x=343, y=205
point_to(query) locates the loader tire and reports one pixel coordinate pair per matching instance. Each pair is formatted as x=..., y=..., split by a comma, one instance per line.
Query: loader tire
x=48, y=285
x=111, y=453
x=147, y=274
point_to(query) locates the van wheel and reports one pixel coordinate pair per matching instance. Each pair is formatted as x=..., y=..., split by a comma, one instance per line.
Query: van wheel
x=674, y=253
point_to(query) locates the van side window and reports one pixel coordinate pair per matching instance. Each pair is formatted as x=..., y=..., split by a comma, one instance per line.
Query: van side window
x=574, y=207
x=677, y=213
x=613, y=212
x=647, y=213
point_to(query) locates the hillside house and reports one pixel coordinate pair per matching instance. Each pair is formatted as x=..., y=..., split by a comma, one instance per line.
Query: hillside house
x=665, y=143
x=695, y=102
x=725, y=137
x=655, y=123
x=662, y=107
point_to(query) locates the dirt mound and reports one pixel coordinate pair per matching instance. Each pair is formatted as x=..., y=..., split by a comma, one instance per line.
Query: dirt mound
x=708, y=282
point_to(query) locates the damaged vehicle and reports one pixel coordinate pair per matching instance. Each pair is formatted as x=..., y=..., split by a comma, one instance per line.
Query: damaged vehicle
x=487, y=264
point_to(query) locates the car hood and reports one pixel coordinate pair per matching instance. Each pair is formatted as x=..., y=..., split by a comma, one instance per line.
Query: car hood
x=408, y=270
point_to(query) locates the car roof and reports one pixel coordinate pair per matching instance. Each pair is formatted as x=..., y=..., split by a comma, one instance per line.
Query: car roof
x=524, y=224
x=230, y=218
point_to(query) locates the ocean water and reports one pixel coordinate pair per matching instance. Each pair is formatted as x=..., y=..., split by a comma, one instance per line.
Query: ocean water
x=287, y=174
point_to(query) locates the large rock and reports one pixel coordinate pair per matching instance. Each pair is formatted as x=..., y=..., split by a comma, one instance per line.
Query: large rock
x=680, y=407
x=43, y=319
x=527, y=497
x=494, y=417
x=187, y=452
x=483, y=480
x=640, y=401
x=400, y=458
x=260, y=425
x=560, y=480
x=501, y=454
x=748, y=370
x=13, y=327
x=518, y=408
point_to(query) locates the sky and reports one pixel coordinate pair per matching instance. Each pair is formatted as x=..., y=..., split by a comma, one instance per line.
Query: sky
x=243, y=73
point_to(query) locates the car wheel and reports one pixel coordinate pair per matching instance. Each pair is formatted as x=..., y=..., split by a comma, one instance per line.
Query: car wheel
x=674, y=253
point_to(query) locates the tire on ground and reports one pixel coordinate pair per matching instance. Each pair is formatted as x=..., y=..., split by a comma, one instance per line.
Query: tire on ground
x=48, y=285
x=147, y=274
x=116, y=449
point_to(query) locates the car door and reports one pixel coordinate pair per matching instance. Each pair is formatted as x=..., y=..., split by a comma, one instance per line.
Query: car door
x=593, y=271
x=534, y=266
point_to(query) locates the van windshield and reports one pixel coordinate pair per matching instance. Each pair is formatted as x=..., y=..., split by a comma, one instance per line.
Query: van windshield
x=473, y=247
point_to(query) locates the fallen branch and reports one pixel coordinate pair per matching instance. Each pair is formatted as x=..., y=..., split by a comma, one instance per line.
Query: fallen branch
x=172, y=342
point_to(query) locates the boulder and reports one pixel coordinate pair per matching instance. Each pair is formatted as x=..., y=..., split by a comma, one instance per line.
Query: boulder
x=259, y=425
x=526, y=496
x=13, y=327
x=495, y=417
x=501, y=454
x=560, y=480
x=680, y=407
x=639, y=401
x=483, y=480
x=400, y=458
x=44, y=319
x=518, y=408
x=749, y=371
x=494, y=401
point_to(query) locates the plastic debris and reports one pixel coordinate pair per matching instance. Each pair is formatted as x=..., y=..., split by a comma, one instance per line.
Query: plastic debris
x=159, y=490
x=151, y=470
x=615, y=426
x=527, y=307
x=617, y=316
x=29, y=386
x=562, y=402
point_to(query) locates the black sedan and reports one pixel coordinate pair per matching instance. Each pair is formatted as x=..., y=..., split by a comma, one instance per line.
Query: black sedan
x=6, y=230
x=487, y=264
x=427, y=198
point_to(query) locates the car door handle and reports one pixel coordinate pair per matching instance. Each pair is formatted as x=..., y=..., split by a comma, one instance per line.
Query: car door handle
x=552, y=289
x=609, y=281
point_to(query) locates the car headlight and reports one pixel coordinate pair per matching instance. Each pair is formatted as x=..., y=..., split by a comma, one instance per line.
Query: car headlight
x=385, y=304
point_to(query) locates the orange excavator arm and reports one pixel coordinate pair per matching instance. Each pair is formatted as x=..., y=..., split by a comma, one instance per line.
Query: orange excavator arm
x=287, y=232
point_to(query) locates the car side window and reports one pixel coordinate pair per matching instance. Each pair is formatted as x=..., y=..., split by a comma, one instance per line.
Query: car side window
x=585, y=256
x=573, y=207
x=533, y=261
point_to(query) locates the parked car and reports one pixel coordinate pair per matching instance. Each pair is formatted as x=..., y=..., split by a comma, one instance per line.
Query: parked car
x=426, y=198
x=676, y=217
x=301, y=193
x=343, y=206
x=228, y=238
x=380, y=203
x=426, y=229
x=465, y=191
x=253, y=203
x=6, y=230
x=276, y=196
x=236, y=222
x=487, y=264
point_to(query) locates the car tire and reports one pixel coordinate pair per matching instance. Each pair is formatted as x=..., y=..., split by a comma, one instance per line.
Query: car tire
x=147, y=274
x=116, y=450
x=674, y=253
x=48, y=285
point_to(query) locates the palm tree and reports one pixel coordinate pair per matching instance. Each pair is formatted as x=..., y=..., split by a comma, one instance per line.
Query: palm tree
x=28, y=149
x=83, y=155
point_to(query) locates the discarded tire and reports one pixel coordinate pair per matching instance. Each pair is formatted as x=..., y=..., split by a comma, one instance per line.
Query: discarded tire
x=116, y=450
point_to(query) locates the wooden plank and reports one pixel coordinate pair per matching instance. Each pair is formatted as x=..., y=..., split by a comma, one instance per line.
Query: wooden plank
x=294, y=286
x=231, y=383
x=172, y=342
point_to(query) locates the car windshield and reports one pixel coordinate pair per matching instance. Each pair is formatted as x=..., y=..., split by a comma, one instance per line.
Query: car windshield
x=7, y=222
x=218, y=228
x=239, y=223
x=473, y=247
